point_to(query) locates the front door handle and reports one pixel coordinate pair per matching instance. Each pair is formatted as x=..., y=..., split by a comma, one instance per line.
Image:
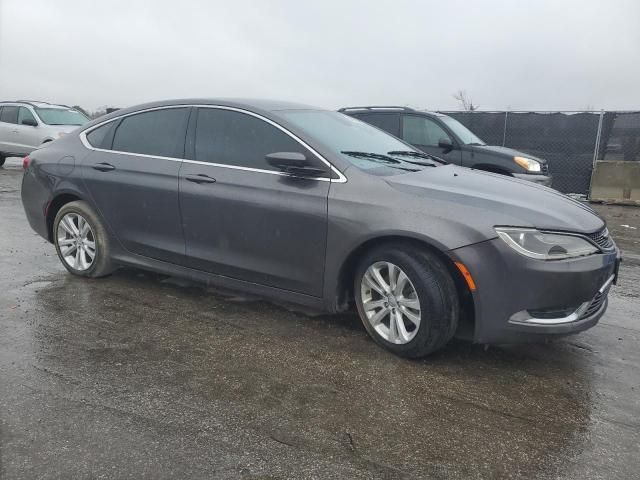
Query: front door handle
x=103, y=167
x=200, y=178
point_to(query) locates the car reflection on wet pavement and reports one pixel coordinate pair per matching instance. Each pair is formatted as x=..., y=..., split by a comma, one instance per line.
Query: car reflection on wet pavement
x=143, y=376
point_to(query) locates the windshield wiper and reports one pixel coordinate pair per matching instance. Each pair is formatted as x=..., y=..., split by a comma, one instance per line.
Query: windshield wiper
x=411, y=153
x=372, y=156
x=380, y=158
x=406, y=169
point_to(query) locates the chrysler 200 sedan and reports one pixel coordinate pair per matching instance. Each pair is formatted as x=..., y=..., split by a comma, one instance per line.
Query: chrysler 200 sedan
x=315, y=207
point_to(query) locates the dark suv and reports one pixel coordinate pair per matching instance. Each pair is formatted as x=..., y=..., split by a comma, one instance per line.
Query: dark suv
x=445, y=137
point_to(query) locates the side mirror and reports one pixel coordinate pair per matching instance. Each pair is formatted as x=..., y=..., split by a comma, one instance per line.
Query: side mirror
x=445, y=144
x=294, y=163
x=29, y=121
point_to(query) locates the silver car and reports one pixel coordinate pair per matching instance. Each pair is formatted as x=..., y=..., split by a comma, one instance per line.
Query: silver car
x=25, y=125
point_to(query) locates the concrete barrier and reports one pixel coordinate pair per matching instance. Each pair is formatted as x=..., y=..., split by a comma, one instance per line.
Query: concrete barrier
x=616, y=182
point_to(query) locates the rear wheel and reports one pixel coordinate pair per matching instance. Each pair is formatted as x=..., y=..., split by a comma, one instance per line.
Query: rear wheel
x=406, y=299
x=81, y=241
x=2, y=160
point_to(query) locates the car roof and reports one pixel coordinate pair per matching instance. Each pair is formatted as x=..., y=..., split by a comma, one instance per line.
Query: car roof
x=35, y=103
x=267, y=108
x=246, y=103
x=388, y=109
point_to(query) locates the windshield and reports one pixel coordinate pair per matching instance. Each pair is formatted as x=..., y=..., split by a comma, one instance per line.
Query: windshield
x=359, y=143
x=58, y=116
x=465, y=135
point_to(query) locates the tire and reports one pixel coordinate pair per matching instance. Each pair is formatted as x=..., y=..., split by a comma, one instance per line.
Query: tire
x=101, y=264
x=2, y=160
x=431, y=284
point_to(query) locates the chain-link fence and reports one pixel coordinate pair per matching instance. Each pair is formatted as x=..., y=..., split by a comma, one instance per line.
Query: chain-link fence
x=570, y=141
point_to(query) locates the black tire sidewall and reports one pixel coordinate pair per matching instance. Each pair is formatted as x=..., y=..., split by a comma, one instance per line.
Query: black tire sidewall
x=102, y=264
x=435, y=290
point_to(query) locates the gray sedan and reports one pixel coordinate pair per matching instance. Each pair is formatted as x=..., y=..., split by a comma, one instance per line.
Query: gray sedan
x=315, y=207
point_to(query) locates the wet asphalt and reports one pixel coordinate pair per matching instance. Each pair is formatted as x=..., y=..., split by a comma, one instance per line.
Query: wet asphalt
x=144, y=376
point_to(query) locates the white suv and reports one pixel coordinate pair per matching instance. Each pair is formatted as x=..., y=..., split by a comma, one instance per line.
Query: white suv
x=25, y=125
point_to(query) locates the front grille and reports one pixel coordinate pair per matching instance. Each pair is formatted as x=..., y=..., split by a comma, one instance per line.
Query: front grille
x=544, y=168
x=602, y=239
x=595, y=304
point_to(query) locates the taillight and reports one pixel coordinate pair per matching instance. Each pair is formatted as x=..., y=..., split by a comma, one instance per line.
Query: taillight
x=25, y=162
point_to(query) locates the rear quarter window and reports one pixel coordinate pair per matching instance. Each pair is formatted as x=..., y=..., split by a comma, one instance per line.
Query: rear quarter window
x=102, y=137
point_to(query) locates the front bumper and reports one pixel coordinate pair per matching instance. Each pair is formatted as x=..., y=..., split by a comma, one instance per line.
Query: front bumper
x=544, y=180
x=521, y=299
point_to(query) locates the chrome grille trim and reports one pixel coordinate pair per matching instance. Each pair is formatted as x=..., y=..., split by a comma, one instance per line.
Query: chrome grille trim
x=544, y=168
x=586, y=310
x=602, y=239
x=599, y=299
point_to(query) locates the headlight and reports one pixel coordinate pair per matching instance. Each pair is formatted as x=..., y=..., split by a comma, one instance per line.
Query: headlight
x=544, y=245
x=528, y=164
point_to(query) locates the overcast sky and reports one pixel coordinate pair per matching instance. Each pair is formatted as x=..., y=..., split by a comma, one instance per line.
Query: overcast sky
x=506, y=54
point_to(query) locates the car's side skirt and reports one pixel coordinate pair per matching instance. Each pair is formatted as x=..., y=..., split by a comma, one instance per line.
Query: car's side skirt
x=209, y=279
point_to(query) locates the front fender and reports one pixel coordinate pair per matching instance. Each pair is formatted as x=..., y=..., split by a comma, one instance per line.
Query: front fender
x=353, y=223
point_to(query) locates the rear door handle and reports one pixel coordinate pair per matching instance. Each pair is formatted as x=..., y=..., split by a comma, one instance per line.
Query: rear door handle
x=103, y=167
x=200, y=178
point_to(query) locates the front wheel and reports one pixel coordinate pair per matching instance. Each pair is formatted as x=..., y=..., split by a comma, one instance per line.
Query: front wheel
x=406, y=299
x=81, y=241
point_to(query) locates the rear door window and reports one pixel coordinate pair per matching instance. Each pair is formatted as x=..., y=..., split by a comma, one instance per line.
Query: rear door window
x=158, y=133
x=9, y=114
x=389, y=122
x=233, y=138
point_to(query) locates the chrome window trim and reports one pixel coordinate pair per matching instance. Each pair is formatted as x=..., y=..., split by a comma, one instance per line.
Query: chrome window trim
x=341, y=178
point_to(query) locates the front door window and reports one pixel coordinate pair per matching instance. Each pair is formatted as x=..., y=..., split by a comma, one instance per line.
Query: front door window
x=423, y=131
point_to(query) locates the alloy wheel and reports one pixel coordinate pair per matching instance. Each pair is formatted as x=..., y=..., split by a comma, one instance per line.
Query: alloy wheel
x=390, y=302
x=76, y=241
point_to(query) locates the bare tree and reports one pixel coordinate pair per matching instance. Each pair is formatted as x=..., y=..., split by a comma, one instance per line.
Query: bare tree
x=465, y=100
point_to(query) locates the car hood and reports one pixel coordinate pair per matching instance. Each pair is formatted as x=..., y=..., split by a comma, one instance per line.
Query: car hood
x=505, y=152
x=483, y=200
